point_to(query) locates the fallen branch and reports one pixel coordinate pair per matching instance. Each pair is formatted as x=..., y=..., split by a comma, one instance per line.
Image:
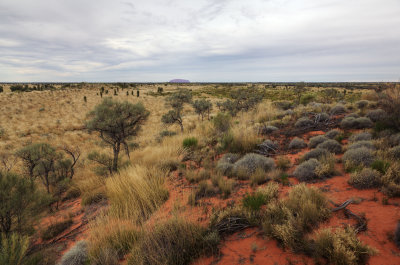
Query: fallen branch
x=361, y=220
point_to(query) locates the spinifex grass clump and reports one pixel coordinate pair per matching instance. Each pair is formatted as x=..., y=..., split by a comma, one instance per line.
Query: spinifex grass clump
x=175, y=242
x=248, y=164
x=365, y=179
x=297, y=143
x=331, y=145
x=289, y=220
x=341, y=247
x=136, y=192
x=357, y=157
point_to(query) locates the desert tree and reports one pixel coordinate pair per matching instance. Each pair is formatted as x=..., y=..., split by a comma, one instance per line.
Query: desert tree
x=390, y=102
x=116, y=122
x=176, y=101
x=46, y=166
x=299, y=90
x=30, y=156
x=241, y=100
x=202, y=107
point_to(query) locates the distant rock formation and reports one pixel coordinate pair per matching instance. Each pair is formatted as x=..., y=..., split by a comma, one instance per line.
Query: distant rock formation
x=179, y=81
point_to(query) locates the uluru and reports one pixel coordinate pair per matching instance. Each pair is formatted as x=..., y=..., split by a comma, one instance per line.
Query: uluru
x=179, y=81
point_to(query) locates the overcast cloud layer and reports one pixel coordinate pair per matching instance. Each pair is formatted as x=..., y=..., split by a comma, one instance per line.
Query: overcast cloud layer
x=200, y=40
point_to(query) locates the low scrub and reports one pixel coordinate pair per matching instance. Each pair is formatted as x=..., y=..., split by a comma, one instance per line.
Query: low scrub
x=341, y=247
x=116, y=236
x=367, y=178
x=13, y=249
x=77, y=255
x=190, y=143
x=306, y=170
x=338, y=109
x=55, y=229
x=316, y=140
x=297, y=143
x=394, y=152
x=357, y=157
x=332, y=134
x=377, y=115
x=365, y=144
x=331, y=145
x=136, y=192
x=248, y=164
x=362, y=136
x=391, y=181
x=283, y=163
x=239, y=142
x=267, y=129
x=262, y=196
x=356, y=123
x=289, y=220
x=175, y=242
x=316, y=153
x=303, y=122
x=225, y=164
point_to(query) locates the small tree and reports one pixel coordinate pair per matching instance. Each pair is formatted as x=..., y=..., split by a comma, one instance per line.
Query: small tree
x=46, y=166
x=202, y=107
x=117, y=122
x=137, y=93
x=30, y=156
x=19, y=199
x=176, y=101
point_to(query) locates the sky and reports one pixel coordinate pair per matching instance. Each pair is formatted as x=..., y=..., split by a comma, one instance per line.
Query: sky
x=199, y=40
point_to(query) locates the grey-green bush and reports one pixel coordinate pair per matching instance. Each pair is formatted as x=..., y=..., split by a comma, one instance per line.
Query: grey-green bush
x=367, y=178
x=331, y=145
x=316, y=153
x=303, y=122
x=268, y=129
x=77, y=255
x=376, y=115
x=394, y=152
x=251, y=162
x=356, y=123
x=332, y=134
x=338, y=109
x=366, y=144
x=362, y=136
x=306, y=170
x=361, y=104
x=225, y=163
x=358, y=156
x=316, y=140
x=297, y=143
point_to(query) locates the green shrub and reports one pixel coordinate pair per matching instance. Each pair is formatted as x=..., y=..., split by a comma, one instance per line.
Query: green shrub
x=358, y=157
x=55, y=229
x=77, y=255
x=380, y=165
x=175, y=242
x=222, y=122
x=190, y=143
x=284, y=105
x=297, y=143
x=316, y=153
x=253, y=202
x=316, y=140
x=306, y=98
x=331, y=145
x=332, y=134
x=342, y=247
x=367, y=178
x=303, y=122
x=13, y=249
x=362, y=136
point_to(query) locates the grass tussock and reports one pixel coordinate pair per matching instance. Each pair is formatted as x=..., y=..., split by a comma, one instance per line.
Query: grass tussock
x=391, y=181
x=175, y=242
x=135, y=193
x=77, y=255
x=341, y=247
x=297, y=143
x=112, y=237
x=13, y=248
x=367, y=178
x=288, y=220
x=357, y=157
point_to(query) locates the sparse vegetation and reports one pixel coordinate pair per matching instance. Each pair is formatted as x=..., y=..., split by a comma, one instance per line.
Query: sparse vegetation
x=297, y=143
x=365, y=179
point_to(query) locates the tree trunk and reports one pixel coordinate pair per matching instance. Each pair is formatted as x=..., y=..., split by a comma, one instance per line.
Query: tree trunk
x=47, y=182
x=115, y=160
x=181, y=124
